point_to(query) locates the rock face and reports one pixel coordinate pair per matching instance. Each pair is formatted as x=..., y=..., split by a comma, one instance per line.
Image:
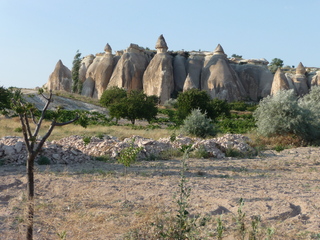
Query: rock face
x=99, y=71
x=179, y=71
x=165, y=74
x=60, y=78
x=315, y=81
x=279, y=83
x=158, y=77
x=220, y=80
x=256, y=80
x=103, y=72
x=129, y=70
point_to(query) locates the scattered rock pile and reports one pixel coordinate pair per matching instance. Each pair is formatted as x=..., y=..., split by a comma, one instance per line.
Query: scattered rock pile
x=73, y=149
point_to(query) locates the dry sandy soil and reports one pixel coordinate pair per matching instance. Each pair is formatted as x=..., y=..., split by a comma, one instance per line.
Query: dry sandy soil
x=87, y=201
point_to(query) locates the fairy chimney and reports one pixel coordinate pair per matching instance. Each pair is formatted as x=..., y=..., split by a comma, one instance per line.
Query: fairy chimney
x=161, y=45
x=300, y=70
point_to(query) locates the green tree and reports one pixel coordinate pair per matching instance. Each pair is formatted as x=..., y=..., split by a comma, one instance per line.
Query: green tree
x=275, y=64
x=140, y=106
x=136, y=105
x=34, y=143
x=112, y=95
x=5, y=99
x=192, y=99
x=236, y=56
x=76, y=64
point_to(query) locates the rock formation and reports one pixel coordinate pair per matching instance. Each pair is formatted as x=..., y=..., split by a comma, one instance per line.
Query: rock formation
x=129, y=70
x=220, y=80
x=60, y=78
x=179, y=71
x=98, y=73
x=300, y=80
x=194, y=67
x=103, y=72
x=279, y=83
x=158, y=77
x=164, y=74
x=256, y=79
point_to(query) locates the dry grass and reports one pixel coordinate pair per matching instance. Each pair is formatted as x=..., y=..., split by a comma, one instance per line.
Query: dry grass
x=86, y=201
x=9, y=126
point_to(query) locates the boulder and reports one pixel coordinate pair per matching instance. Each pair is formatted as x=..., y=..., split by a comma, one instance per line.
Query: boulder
x=179, y=72
x=60, y=78
x=129, y=70
x=220, y=80
x=256, y=79
x=158, y=77
x=279, y=83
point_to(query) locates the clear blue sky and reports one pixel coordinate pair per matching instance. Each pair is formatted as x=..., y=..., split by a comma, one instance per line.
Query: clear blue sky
x=35, y=34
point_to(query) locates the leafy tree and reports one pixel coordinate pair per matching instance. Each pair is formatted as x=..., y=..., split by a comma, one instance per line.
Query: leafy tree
x=197, y=99
x=275, y=64
x=140, y=106
x=34, y=143
x=76, y=64
x=218, y=107
x=136, y=105
x=236, y=56
x=112, y=95
x=5, y=101
x=192, y=99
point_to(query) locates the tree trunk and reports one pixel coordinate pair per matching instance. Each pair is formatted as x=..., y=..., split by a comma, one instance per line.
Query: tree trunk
x=30, y=195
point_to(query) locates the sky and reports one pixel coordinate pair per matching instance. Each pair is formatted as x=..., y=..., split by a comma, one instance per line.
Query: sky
x=36, y=34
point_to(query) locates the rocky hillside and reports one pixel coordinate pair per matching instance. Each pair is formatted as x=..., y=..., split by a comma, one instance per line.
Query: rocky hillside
x=165, y=73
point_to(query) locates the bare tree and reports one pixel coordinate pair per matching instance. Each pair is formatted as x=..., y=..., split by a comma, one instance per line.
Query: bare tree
x=34, y=143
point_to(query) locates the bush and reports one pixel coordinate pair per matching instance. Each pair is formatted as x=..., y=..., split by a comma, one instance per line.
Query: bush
x=198, y=124
x=192, y=99
x=282, y=115
x=196, y=99
x=43, y=160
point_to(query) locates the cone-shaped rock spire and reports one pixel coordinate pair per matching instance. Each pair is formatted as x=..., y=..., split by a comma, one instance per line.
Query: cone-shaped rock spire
x=107, y=48
x=279, y=83
x=161, y=45
x=300, y=69
x=219, y=51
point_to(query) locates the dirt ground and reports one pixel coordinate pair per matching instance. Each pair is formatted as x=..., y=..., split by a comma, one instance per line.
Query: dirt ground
x=87, y=201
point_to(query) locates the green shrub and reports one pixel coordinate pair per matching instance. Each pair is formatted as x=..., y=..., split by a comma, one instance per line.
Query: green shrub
x=18, y=129
x=280, y=115
x=198, y=124
x=86, y=140
x=43, y=160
